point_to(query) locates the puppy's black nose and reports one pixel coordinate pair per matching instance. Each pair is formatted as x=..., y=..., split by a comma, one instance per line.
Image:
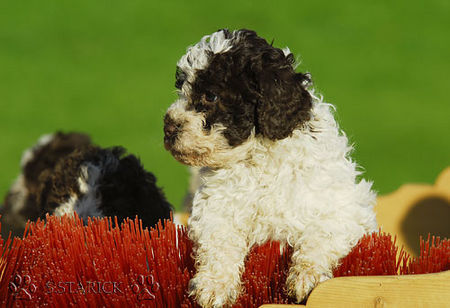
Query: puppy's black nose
x=171, y=129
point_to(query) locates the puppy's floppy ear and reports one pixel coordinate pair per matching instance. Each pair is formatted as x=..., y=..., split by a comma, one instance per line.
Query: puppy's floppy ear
x=284, y=104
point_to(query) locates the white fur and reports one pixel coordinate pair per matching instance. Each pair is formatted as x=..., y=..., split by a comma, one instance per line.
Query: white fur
x=28, y=155
x=302, y=190
x=196, y=57
x=87, y=205
x=66, y=207
x=19, y=192
x=286, y=51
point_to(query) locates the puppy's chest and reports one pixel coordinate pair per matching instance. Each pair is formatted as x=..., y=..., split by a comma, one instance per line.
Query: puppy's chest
x=251, y=190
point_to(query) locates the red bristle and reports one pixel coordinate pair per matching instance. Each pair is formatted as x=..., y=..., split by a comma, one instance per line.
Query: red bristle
x=375, y=254
x=434, y=257
x=264, y=276
x=64, y=250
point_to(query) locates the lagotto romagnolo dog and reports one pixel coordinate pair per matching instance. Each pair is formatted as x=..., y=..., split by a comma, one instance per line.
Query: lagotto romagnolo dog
x=276, y=166
x=65, y=173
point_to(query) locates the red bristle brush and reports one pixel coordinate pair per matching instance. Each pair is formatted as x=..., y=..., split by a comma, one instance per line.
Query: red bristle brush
x=62, y=262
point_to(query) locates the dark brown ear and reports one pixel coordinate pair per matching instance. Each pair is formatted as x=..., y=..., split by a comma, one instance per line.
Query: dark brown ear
x=284, y=102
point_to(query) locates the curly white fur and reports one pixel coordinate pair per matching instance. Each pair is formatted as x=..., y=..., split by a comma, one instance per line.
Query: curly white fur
x=301, y=190
x=196, y=57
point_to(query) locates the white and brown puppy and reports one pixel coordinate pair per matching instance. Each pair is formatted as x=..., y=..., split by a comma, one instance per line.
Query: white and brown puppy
x=276, y=166
x=66, y=173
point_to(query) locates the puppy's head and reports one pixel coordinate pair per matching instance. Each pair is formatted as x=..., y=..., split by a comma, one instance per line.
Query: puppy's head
x=233, y=89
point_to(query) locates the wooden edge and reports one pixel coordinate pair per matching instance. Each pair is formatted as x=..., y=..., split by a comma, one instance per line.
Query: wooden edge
x=443, y=180
x=280, y=306
x=427, y=290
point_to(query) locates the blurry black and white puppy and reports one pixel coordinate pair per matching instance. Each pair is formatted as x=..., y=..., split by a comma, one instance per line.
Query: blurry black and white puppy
x=66, y=173
x=274, y=165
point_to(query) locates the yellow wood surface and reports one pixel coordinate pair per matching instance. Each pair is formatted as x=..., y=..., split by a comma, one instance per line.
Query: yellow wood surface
x=429, y=290
x=392, y=209
x=281, y=306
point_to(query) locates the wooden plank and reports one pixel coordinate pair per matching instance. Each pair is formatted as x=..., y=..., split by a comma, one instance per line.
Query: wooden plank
x=281, y=306
x=428, y=290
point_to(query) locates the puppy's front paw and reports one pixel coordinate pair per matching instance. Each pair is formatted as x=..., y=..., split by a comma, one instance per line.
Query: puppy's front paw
x=210, y=293
x=300, y=282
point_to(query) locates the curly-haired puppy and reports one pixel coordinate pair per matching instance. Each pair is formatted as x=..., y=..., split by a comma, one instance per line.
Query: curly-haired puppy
x=275, y=165
x=66, y=173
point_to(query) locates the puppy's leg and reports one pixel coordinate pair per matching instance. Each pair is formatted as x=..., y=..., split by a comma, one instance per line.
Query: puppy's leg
x=315, y=254
x=220, y=253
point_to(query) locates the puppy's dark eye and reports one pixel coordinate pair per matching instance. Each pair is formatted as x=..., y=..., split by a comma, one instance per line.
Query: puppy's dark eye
x=210, y=97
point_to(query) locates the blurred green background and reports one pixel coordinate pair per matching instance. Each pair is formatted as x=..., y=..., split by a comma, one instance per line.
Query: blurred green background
x=107, y=68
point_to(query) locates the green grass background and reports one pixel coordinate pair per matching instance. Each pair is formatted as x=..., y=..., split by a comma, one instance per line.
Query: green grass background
x=107, y=68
